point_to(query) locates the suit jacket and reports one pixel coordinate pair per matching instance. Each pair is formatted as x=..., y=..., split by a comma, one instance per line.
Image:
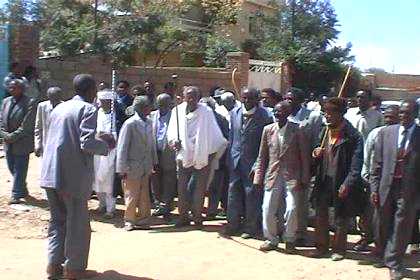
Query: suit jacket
x=67, y=162
x=42, y=122
x=167, y=155
x=291, y=160
x=384, y=161
x=136, y=150
x=245, y=142
x=17, y=124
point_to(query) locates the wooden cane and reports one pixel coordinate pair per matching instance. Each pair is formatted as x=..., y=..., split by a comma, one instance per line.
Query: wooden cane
x=340, y=93
x=235, y=86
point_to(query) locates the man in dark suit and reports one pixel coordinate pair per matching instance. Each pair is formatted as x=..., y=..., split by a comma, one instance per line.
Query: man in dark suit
x=17, y=120
x=395, y=184
x=244, y=199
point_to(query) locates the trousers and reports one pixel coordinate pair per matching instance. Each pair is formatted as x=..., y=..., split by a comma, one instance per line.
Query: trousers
x=68, y=231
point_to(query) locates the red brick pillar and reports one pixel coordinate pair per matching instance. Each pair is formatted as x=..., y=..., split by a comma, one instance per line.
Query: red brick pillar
x=240, y=61
x=24, y=47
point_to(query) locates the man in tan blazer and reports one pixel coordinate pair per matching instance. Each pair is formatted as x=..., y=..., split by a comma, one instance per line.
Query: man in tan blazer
x=282, y=168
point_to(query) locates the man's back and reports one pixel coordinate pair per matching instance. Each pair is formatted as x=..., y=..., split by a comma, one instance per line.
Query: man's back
x=68, y=157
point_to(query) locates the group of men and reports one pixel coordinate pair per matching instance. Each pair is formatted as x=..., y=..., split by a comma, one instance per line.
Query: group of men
x=264, y=158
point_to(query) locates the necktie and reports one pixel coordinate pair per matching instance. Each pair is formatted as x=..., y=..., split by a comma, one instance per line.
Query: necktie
x=401, y=149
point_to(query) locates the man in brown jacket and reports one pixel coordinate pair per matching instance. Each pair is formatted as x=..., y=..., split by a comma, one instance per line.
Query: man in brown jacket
x=282, y=168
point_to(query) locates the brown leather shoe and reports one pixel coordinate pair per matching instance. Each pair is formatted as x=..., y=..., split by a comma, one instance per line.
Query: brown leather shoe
x=79, y=274
x=54, y=271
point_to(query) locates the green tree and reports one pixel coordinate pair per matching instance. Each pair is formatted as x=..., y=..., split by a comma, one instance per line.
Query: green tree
x=216, y=49
x=19, y=11
x=303, y=33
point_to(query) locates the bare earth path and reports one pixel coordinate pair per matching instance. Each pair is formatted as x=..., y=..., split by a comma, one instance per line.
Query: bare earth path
x=161, y=253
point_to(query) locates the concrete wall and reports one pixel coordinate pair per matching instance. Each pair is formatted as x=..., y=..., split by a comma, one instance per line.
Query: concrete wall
x=59, y=72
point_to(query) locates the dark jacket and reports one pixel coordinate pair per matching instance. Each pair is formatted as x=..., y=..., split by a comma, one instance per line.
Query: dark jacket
x=245, y=141
x=17, y=122
x=345, y=169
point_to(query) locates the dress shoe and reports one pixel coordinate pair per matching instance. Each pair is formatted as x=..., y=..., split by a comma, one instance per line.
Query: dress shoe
x=228, y=231
x=79, y=274
x=54, y=271
x=198, y=223
x=300, y=242
x=14, y=201
x=246, y=235
x=267, y=246
x=109, y=215
x=182, y=223
x=379, y=264
x=290, y=248
x=414, y=249
x=362, y=245
x=129, y=226
x=396, y=274
x=319, y=254
x=337, y=257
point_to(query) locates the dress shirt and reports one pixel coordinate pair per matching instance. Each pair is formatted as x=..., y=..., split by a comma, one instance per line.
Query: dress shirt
x=364, y=121
x=401, y=135
x=162, y=127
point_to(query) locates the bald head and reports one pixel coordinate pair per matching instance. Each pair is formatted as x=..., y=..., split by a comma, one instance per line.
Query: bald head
x=85, y=86
x=249, y=97
x=54, y=94
x=164, y=103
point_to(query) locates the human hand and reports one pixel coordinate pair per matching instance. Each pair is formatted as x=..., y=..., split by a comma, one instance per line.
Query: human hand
x=156, y=169
x=38, y=152
x=298, y=186
x=109, y=139
x=177, y=146
x=343, y=192
x=123, y=176
x=374, y=199
x=318, y=152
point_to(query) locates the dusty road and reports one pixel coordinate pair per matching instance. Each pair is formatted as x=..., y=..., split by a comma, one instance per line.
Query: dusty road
x=161, y=253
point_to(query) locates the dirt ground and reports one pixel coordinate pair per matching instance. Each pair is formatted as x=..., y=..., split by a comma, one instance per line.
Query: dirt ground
x=163, y=253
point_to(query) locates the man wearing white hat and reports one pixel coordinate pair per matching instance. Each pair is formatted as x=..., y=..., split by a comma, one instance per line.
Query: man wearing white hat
x=104, y=166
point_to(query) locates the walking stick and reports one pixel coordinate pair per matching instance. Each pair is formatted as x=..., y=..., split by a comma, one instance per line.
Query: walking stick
x=174, y=78
x=340, y=93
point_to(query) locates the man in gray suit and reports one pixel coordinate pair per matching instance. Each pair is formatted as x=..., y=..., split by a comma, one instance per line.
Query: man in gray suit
x=164, y=178
x=17, y=119
x=244, y=200
x=395, y=184
x=42, y=121
x=67, y=176
x=282, y=169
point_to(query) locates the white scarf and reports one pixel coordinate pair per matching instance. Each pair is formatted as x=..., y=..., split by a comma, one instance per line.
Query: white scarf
x=208, y=138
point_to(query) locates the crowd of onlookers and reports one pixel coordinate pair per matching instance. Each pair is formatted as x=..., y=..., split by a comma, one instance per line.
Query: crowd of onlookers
x=265, y=161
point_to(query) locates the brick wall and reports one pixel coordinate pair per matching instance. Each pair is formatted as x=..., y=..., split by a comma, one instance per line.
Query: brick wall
x=24, y=46
x=397, y=81
x=59, y=72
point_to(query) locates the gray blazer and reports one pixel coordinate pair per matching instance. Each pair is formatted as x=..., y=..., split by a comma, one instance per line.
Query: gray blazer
x=17, y=124
x=167, y=156
x=67, y=162
x=136, y=150
x=384, y=161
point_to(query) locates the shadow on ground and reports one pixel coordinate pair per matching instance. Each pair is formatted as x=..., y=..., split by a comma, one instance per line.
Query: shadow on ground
x=114, y=275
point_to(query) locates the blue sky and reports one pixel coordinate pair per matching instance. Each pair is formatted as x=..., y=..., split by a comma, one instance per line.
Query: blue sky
x=384, y=33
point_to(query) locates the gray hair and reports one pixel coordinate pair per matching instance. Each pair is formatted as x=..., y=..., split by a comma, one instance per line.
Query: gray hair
x=192, y=90
x=163, y=97
x=227, y=95
x=209, y=101
x=19, y=82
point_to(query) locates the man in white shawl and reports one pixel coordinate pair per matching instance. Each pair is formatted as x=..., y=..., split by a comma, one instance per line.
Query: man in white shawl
x=198, y=140
x=104, y=166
